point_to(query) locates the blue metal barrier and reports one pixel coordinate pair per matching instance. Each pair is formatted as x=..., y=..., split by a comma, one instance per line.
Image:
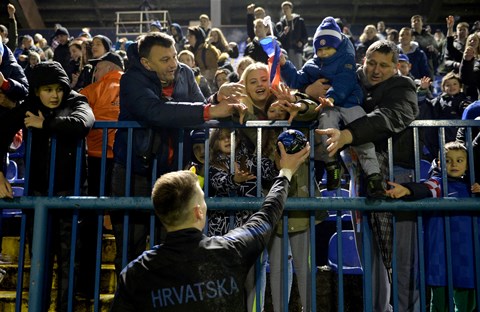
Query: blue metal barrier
x=42, y=206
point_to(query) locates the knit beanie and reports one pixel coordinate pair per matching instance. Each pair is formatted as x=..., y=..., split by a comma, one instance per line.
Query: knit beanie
x=197, y=136
x=156, y=24
x=61, y=31
x=328, y=34
x=107, y=43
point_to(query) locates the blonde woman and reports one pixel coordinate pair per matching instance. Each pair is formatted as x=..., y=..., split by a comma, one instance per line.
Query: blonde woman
x=218, y=40
x=368, y=37
x=259, y=97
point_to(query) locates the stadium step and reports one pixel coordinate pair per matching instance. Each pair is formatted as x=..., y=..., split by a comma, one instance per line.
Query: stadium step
x=8, y=263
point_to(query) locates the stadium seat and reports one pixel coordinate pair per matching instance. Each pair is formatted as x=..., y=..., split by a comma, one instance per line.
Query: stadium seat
x=332, y=215
x=351, y=262
x=425, y=166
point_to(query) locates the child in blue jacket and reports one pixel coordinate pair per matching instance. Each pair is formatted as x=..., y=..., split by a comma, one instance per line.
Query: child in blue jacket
x=461, y=232
x=335, y=61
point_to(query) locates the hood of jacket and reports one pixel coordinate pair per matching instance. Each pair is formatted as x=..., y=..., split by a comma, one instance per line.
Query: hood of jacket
x=179, y=30
x=294, y=17
x=135, y=64
x=47, y=73
x=413, y=47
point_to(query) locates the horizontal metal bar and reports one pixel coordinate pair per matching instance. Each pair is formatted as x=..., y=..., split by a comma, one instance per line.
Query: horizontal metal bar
x=445, y=123
x=250, y=203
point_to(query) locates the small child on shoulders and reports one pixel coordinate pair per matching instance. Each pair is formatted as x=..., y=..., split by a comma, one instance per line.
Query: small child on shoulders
x=335, y=61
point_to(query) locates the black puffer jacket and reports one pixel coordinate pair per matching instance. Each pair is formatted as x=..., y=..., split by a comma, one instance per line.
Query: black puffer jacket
x=69, y=123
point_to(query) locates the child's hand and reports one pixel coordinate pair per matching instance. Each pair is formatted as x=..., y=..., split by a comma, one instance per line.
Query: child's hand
x=450, y=21
x=241, y=176
x=34, y=121
x=323, y=102
x=291, y=108
x=283, y=92
x=425, y=83
x=476, y=188
x=397, y=191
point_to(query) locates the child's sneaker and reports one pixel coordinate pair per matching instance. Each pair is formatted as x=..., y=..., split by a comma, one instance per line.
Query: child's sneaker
x=334, y=173
x=375, y=186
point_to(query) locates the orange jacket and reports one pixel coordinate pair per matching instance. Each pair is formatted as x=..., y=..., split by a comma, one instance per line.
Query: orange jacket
x=103, y=97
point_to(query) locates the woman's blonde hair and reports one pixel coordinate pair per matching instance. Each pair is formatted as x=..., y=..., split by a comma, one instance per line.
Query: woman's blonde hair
x=222, y=41
x=250, y=68
x=363, y=36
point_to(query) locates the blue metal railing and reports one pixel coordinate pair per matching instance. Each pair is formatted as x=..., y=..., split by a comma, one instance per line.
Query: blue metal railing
x=42, y=206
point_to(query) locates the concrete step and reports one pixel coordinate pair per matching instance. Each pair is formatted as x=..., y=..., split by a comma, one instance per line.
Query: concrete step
x=107, y=278
x=11, y=248
x=8, y=300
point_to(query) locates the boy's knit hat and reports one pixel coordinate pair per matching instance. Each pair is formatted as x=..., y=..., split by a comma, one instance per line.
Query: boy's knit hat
x=197, y=136
x=328, y=34
x=61, y=31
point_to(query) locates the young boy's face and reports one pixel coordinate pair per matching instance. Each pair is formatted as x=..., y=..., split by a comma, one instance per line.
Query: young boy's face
x=276, y=113
x=451, y=87
x=221, y=79
x=260, y=30
x=187, y=60
x=456, y=161
x=51, y=95
x=32, y=60
x=326, y=52
x=404, y=68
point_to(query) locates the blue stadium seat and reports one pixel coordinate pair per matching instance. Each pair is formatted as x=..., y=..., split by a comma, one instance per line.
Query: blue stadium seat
x=425, y=166
x=12, y=173
x=351, y=262
x=332, y=215
x=17, y=191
